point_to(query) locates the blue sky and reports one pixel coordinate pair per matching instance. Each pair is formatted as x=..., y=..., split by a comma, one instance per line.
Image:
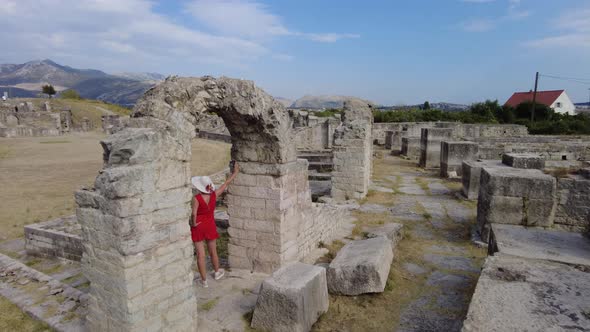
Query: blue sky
x=391, y=52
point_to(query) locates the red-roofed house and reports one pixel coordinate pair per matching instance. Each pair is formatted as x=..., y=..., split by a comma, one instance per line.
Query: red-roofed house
x=556, y=99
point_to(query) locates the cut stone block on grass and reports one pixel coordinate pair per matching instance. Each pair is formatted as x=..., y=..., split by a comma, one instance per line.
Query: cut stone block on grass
x=453, y=154
x=361, y=267
x=524, y=160
x=536, y=243
x=292, y=299
x=519, y=294
x=392, y=231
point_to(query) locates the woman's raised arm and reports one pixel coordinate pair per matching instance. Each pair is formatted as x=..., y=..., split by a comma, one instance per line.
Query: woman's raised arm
x=221, y=189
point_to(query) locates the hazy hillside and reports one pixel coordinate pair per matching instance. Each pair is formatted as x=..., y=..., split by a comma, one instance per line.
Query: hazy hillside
x=113, y=90
x=286, y=102
x=25, y=80
x=326, y=101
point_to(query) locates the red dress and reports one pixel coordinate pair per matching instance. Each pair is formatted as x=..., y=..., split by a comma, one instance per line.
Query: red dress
x=205, y=228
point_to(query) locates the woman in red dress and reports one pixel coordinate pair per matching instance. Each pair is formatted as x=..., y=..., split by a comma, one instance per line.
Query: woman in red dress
x=203, y=227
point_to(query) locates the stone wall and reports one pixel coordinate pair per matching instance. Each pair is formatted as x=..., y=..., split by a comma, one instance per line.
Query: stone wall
x=573, y=208
x=453, y=154
x=111, y=123
x=430, y=146
x=55, y=238
x=317, y=137
x=137, y=250
x=353, y=152
x=411, y=147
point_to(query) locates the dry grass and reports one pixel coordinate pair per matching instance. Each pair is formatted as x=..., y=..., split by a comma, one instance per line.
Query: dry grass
x=379, y=197
x=15, y=320
x=40, y=174
x=560, y=172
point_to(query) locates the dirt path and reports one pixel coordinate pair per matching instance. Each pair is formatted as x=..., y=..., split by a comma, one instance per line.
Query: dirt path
x=436, y=267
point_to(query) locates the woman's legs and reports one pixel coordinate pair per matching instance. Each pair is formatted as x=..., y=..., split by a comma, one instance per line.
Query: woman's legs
x=200, y=246
x=212, y=247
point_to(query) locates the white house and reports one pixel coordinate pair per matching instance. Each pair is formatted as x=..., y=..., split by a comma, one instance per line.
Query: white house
x=558, y=100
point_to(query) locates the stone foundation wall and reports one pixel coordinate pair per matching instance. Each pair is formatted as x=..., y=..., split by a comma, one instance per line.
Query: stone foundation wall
x=353, y=152
x=50, y=239
x=28, y=132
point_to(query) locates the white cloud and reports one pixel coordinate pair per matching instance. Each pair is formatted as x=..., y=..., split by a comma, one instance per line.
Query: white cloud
x=575, y=31
x=513, y=13
x=123, y=35
x=250, y=19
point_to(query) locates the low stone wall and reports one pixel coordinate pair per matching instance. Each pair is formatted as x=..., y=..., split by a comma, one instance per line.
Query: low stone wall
x=55, y=238
x=409, y=129
x=214, y=136
x=28, y=132
x=549, y=147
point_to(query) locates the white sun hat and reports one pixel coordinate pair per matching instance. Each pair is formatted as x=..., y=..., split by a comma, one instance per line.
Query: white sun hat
x=201, y=183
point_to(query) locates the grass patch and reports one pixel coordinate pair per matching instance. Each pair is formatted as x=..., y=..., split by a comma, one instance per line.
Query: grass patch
x=333, y=249
x=379, y=197
x=209, y=304
x=4, y=151
x=423, y=184
x=222, y=244
x=33, y=262
x=247, y=318
x=560, y=172
x=56, y=268
x=13, y=319
x=73, y=278
x=55, y=142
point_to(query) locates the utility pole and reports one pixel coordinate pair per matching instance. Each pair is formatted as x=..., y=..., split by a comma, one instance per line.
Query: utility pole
x=534, y=97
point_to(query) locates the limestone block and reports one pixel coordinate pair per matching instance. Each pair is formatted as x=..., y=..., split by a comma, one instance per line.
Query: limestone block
x=411, y=147
x=361, y=267
x=430, y=145
x=292, y=299
x=454, y=153
x=470, y=177
x=516, y=182
x=392, y=231
x=524, y=160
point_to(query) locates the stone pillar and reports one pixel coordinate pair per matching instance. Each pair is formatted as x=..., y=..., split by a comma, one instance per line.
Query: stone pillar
x=266, y=206
x=353, y=152
x=389, y=139
x=411, y=147
x=453, y=154
x=137, y=247
x=430, y=145
x=396, y=140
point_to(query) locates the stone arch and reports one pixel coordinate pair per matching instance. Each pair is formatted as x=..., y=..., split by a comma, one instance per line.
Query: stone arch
x=260, y=127
x=137, y=248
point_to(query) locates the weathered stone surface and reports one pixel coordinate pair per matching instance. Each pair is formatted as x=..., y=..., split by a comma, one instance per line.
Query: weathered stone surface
x=260, y=126
x=353, y=150
x=518, y=294
x=430, y=145
x=573, y=207
x=535, y=243
x=361, y=267
x=471, y=171
x=524, y=160
x=411, y=147
x=292, y=299
x=515, y=196
x=392, y=231
x=453, y=154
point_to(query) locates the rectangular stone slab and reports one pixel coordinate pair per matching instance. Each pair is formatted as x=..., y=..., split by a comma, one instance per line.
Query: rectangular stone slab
x=292, y=299
x=361, y=267
x=538, y=243
x=524, y=160
x=519, y=294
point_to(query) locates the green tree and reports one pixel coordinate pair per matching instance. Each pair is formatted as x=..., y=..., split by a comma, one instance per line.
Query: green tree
x=70, y=94
x=426, y=105
x=542, y=112
x=48, y=90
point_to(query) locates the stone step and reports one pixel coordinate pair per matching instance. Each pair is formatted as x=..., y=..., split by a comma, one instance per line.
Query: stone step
x=321, y=166
x=315, y=176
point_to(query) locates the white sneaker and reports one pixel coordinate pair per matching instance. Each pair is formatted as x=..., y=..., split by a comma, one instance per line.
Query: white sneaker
x=219, y=274
x=203, y=283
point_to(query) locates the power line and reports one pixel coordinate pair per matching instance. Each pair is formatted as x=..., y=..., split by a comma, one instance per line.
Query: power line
x=585, y=81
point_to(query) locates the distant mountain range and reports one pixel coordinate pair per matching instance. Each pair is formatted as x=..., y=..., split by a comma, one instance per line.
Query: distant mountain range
x=25, y=80
x=325, y=101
